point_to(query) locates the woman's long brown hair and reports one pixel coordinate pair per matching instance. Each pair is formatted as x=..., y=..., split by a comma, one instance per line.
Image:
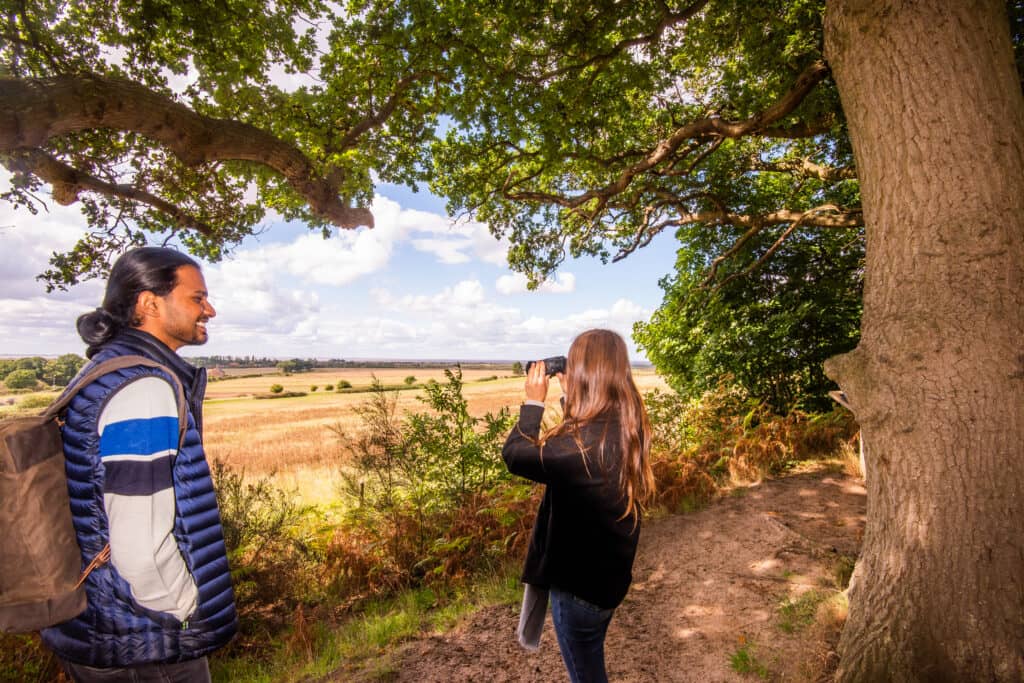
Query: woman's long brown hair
x=600, y=385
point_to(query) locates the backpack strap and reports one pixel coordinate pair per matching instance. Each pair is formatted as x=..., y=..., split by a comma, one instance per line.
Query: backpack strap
x=112, y=365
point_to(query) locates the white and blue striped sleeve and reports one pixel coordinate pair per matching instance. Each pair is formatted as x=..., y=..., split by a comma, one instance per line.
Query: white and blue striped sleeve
x=138, y=431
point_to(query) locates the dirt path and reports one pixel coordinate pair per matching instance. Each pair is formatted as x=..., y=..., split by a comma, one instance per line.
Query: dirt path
x=706, y=586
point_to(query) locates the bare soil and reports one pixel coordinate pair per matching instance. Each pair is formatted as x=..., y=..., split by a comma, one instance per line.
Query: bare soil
x=708, y=588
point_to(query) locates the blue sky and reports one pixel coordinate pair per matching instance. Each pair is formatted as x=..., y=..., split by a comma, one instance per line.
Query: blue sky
x=418, y=285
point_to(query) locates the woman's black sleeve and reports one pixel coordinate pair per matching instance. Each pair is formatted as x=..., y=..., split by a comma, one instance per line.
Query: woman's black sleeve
x=559, y=461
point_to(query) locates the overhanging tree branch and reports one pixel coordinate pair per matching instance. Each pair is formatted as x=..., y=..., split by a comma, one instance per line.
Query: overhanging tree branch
x=817, y=217
x=826, y=215
x=66, y=182
x=710, y=127
x=32, y=112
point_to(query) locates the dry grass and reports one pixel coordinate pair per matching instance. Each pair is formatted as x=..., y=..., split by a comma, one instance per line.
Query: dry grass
x=292, y=437
x=232, y=387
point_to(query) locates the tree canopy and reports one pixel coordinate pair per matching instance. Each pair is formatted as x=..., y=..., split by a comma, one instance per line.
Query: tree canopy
x=571, y=128
x=172, y=119
x=590, y=128
x=578, y=127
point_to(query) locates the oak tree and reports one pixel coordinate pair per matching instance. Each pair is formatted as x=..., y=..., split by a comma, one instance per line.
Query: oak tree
x=189, y=119
x=588, y=128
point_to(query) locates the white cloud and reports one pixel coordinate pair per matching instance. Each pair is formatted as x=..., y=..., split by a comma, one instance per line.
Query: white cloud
x=516, y=283
x=459, y=241
x=26, y=243
x=254, y=307
x=446, y=251
x=348, y=255
x=461, y=320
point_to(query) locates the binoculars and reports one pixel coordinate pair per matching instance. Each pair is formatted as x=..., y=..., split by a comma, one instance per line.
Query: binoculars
x=552, y=365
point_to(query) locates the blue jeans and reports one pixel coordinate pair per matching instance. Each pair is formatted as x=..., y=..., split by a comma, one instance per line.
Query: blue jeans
x=191, y=671
x=580, y=627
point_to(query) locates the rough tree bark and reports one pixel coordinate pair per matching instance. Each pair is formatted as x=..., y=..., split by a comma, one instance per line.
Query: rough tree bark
x=936, y=117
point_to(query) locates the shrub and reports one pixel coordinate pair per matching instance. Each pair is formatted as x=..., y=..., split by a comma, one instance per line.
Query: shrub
x=410, y=380
x=21, y=379
x=23, y=657
x=276, y=388
x=699, y=447
x=344, y=384
x=36, y=401
x=270, y=562
x=313, y=387
x=329, y=387
x=428, y=507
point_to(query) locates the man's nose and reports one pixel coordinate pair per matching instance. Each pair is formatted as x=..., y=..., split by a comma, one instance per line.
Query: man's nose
x=208, y=310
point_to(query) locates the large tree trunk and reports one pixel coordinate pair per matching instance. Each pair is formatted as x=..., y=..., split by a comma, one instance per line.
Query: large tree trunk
x=936, y=117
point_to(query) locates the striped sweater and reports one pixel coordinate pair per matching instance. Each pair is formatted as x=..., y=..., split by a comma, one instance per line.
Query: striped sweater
x=138, y=431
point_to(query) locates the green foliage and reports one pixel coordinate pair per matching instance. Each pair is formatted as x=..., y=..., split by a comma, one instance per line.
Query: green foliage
x=842, y=571
x=410, y=380
x=517, y=369
x=798, y=612
x=344, y=384
x=36, y=401
x=25, y=659
x=461, y=453
x=276, y=388
x=768, y=331
x=269, y=557
x=351, y=130
x=313, y=387
x=745, y=661
x=21, y=379
x=702, y=446
x=61, y=370
x=35, y=364
x=425, y=483
x=329, y=387
x=587, y=131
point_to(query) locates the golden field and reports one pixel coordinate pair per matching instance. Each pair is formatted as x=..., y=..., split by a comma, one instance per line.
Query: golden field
x=292, y=437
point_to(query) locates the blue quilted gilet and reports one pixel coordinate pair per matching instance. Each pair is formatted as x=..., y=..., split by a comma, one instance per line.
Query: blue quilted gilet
x=114, y=630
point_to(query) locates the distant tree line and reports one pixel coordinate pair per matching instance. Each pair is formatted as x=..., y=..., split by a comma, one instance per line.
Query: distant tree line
x=27, y=373
x=295, y=365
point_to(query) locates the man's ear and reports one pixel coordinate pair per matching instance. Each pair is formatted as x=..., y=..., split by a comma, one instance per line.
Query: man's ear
x=147, y=306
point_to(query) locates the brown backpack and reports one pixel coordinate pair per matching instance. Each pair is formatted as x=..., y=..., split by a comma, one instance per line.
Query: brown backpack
x=41, y=574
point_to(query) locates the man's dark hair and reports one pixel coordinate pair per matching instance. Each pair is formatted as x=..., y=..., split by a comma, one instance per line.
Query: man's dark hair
x=152, y=269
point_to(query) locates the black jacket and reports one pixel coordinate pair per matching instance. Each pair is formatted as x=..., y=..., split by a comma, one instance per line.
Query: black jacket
x=580, y=544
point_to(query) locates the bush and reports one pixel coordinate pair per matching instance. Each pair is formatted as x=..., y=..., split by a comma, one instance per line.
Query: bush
x=21, y=379
x=410, y=380
x=329, y=387
x=270, y=562
x=23, y=657
x=36, y=401
x=425, y=485
x=344, y=384
x=283, y=394
x=313, y=387
x=700, y=447
x=276, y=388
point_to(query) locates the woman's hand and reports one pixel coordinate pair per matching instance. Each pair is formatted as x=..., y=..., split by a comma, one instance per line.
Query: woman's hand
x=537, y=382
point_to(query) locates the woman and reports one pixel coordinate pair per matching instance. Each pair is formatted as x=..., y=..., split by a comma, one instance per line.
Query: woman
x=598, y=475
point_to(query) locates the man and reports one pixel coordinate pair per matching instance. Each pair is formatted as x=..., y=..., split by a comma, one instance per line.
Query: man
x=164, y=600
